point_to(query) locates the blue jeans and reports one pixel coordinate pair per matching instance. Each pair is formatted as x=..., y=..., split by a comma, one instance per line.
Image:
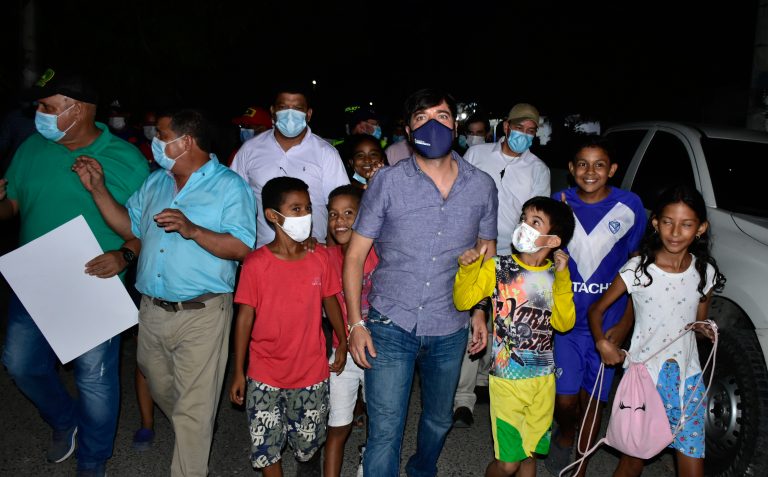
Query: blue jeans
x=388, y=388
x=31, y=363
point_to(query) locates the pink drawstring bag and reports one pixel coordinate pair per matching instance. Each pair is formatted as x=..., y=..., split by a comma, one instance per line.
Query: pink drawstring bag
x=638, y=425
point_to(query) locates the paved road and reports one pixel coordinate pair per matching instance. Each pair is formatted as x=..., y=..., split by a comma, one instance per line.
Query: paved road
x=24, y=438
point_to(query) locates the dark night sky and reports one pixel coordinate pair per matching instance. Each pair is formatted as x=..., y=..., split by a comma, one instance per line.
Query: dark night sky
x=616, y=60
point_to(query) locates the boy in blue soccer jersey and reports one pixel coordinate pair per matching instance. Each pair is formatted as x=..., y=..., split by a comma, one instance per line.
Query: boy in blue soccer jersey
x=609, y=225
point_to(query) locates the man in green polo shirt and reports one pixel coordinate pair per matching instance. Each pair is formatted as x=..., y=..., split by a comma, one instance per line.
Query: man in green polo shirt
x=42, y=189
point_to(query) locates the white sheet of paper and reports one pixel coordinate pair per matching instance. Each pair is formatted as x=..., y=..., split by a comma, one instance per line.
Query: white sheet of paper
x=74, y=311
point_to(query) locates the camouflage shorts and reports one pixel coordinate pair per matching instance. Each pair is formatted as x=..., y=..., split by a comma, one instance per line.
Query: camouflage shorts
x=277, y=416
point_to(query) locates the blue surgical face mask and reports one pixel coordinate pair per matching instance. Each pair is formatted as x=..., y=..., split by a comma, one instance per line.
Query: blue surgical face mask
x=359, y=178
x=291, y=122
x=432, y=139
x=463, y=141
x=158, y=152
x=246, y=134
x=376, y=132
x=396, y=139
x=518, y=141
x=48, y=125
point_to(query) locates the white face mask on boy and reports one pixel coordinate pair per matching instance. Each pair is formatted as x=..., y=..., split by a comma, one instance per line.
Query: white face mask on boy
x=524, y=238
x=298, y=228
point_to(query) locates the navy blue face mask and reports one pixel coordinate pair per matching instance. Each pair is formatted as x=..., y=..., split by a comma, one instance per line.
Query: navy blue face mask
x=432, y=139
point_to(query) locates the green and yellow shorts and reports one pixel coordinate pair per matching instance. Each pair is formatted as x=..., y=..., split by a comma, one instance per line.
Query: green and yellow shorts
x=521, y=416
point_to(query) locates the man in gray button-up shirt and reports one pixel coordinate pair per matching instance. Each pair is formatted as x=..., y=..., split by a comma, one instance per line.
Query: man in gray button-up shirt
x=421, y=214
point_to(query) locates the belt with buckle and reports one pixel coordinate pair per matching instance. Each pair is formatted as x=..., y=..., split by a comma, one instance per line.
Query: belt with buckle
x=196, y=303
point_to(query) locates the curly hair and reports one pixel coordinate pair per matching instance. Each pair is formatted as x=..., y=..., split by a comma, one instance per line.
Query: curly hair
x=700, y=247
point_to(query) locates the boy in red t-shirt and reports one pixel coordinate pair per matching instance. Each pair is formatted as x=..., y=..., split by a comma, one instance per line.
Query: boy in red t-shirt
x=282, y=288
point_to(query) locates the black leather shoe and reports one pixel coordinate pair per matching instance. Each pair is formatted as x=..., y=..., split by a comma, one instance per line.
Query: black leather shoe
x=462, y=417
x=482, y=394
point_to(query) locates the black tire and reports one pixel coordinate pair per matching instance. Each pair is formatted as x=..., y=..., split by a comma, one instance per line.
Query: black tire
x=737, y=407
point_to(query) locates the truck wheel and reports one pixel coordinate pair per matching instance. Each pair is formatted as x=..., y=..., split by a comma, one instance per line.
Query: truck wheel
x=737, y=407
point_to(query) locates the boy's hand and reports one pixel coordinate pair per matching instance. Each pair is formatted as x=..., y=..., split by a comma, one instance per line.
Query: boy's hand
x=309, y=244
x=374, y=169
x=237, y=389
x=610, y=354
x=340, y=359
x=359, y=341
x=561, y=260
x=479, y=338
x=471, y=255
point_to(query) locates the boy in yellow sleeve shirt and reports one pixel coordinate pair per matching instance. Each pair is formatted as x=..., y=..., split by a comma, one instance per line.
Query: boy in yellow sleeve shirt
x=531, y=295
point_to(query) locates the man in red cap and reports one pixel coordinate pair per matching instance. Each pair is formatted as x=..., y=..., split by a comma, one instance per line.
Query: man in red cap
x=252, y=122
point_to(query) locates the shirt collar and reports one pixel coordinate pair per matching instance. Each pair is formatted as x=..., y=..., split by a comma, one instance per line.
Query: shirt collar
x=98, y=144
x=206, y=168
x=305, y=139
x=412, y=167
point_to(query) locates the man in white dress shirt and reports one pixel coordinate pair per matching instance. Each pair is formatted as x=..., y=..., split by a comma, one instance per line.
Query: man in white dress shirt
x=518, y=173
x=291, y=149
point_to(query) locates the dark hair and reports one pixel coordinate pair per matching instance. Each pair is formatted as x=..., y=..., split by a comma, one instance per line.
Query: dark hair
x=424, y=99
x=479, y=118
x=292, y=87
x=349, y=190
x=192, y=123
x=561, y=221
x=700, y=247
x=591, y=141
x=354, y=140
x=274, y=191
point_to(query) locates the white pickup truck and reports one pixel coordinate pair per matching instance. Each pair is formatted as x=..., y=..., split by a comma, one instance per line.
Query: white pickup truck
x=724, y=164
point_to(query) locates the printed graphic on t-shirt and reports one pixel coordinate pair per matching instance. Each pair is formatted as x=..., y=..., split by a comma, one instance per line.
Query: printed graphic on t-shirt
x=522, y=335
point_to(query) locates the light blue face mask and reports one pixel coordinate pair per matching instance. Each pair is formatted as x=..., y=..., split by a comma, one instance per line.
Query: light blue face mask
x=376, y=132
x=246, y=134
x=291, y=122
x=359, y=178
x=463, y=141
x=158, y=152
x=48, y=125
x=519, y=142
x=396, y=139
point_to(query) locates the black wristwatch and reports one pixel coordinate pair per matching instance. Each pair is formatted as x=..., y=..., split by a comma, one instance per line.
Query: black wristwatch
x=128, y=255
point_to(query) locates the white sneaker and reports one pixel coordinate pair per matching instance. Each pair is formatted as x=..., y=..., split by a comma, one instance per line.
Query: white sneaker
x=360, y=465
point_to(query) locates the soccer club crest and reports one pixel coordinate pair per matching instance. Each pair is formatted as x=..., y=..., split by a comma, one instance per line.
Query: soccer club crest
x=614, y=226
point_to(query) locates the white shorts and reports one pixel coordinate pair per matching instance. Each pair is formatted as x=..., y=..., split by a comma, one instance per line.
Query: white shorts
x=344, y=392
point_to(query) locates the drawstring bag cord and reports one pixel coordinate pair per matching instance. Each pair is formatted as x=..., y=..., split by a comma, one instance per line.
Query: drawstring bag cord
x=598, y=386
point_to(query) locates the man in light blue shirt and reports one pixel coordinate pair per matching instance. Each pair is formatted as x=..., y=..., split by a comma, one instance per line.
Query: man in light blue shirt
x=195, y=219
